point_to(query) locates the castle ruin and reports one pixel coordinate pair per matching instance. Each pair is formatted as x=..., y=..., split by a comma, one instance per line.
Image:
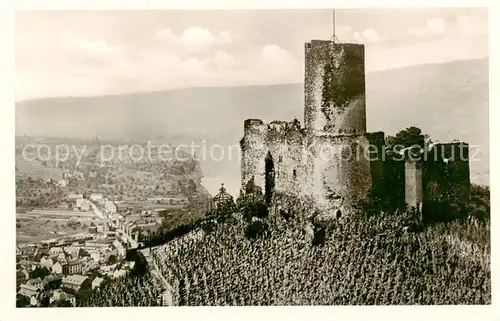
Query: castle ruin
x=332, y=159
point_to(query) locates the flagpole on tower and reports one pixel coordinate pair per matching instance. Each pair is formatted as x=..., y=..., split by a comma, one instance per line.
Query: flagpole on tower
x=334, y=36
x=333, y=20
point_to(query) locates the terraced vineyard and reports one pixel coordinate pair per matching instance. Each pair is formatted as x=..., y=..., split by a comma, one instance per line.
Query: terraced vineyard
x=362, y=262
x=359, y=260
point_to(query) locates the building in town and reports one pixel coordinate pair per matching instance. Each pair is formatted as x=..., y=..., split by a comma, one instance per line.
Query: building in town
x=73, y=267
x=73, y=282
x=57, y=268
x=28, y=290
x=96, y=283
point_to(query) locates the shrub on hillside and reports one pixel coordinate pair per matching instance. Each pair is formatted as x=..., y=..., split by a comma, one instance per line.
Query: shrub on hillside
x=256, y=229
x=479, y=204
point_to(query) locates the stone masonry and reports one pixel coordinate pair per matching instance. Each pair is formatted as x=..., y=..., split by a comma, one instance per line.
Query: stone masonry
x=328, y=160
x=324, y=159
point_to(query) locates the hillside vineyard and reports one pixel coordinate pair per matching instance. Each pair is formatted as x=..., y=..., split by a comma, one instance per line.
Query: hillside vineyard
x=365, y=263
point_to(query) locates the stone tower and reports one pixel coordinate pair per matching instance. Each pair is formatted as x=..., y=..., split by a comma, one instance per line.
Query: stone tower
x=325, y=160
x=334, y=88
x=335, y=123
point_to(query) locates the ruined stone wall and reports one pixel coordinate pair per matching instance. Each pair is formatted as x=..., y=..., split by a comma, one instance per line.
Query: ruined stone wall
x=282, y=144
x=334, y=88
x=253, y=152
x=286, y=145
x=377, y=157
x=446, y=177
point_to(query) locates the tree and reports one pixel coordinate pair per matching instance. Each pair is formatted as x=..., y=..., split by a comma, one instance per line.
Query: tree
x=411, y=136
x=83, y=253
x=22, y=301
x=191, y=187
x=39, y=272
x=256, y=229
x=63, y=304
x=112, y=259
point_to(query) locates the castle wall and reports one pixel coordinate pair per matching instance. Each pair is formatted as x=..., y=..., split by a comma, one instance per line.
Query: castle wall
x=284, y=143
x=334, y=88
x=413, y=184
x=377, y=157
x=332, y=159
x=253, y=152
x=341, y=171
x=447, y=175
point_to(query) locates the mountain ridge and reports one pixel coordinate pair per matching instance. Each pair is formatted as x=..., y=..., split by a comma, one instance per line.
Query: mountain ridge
x=485, y=60
x=448, y=101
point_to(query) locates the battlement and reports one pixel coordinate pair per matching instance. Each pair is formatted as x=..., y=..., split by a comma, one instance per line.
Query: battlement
x=257, y=130
x=449, y=151
x=254, y=129
x=254, y=126
x=278, y=126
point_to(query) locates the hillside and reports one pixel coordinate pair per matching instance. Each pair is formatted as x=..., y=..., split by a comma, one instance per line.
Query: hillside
x=445, y=100
x=289, y=261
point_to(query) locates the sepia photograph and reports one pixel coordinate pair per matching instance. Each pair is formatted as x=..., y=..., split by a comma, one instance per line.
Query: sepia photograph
x=284, y=157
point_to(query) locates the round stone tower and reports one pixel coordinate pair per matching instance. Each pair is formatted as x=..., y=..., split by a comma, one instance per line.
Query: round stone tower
x=334, y=88
x=335, y=122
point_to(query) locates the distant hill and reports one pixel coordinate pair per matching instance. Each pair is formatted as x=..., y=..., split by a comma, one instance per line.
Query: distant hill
x=447, y=101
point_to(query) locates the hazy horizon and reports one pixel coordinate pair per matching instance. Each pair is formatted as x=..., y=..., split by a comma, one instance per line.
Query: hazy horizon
x=91, y=53
x=235, y=86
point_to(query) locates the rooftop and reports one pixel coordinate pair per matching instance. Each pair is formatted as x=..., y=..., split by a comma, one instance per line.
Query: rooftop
x=28, y=287
x=75, y=279
x=98, y=280
x=223, y=195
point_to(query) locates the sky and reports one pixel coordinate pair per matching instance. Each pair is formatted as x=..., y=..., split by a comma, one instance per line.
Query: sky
x=88, y=53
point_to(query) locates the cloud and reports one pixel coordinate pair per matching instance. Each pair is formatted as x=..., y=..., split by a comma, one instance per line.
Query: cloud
x=224, y=37
x=469, y=25
x=433, y=26
x=278, y=65
x=164, y=34
x=96, y=46
x=423, y=52
x=194, y=38
x=274, y=53
x=370, y=35
x=193, y=65
x=462, y=26
x=436, y=25
x=223, y=59
x=417, y=32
